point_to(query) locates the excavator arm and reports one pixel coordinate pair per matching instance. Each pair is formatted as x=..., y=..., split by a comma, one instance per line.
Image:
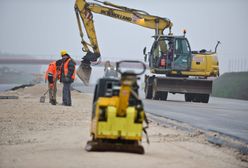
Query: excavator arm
x=84, y=11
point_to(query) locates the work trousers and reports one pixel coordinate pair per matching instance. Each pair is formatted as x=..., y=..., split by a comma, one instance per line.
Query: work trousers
x=52, y=91
x=66, y=94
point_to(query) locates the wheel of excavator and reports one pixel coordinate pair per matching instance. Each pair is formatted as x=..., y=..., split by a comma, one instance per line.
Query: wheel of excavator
x=196, y=97
x=205, y=98
x=148, y=89
x=156, y=95
x=188, y=97
x=160, y=95
x=163, y=95
x=148, y=92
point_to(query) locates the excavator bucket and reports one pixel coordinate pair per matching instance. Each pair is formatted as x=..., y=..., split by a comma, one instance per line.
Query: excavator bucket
x=100, y=146
x=84, y=72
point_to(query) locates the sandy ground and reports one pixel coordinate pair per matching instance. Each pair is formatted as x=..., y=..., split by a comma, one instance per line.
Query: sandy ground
x=34, y=134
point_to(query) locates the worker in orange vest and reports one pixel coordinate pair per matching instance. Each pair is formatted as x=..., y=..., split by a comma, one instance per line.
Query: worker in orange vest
x=52, y=77
x=68, y=72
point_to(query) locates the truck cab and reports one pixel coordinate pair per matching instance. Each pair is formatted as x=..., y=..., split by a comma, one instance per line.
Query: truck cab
x=170, y=53
x=180, y=70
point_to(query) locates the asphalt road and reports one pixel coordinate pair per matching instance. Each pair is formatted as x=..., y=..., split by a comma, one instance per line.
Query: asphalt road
x=228, y=116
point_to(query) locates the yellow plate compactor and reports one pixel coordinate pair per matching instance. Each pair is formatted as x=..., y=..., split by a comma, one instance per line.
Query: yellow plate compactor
x=118, y=116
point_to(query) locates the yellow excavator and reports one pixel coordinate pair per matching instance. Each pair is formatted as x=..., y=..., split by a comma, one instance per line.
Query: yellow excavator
x=84, y=11
x=118, y=115
x=174, y=67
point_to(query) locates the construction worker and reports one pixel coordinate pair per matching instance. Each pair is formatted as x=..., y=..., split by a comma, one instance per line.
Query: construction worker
x=52, y=76
x=109, y=70
x=68, y=72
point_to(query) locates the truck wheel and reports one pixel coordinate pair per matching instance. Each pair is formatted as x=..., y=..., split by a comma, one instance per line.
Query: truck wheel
x=163, y=95
x=205, y=98
x=148, y=92
x=156, y=95
x=148, y=87
x=196, y=97
x=188, y=97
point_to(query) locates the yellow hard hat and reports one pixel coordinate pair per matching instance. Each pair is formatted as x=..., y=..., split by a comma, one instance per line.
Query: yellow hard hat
x=63, y=52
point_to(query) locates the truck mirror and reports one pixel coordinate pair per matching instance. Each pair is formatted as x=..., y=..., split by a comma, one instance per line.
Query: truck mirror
x=144, y=51
x=145, y=55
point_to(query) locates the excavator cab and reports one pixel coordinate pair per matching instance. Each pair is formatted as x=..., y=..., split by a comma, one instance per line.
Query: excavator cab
x=170, y=53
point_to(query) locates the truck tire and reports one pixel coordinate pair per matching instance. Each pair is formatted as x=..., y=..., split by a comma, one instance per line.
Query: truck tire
x=200, y=98
x=163, y=95
x=160, y=95
x=148, y=87
x=188, y=97
x=196, y=97
x=155, y=95
x=205, y=98
x=148, y=92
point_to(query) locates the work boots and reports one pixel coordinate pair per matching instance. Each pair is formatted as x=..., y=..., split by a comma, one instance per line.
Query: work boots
x=53, y=102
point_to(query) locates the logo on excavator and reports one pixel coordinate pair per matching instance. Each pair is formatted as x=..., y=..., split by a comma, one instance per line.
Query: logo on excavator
x=115, y=15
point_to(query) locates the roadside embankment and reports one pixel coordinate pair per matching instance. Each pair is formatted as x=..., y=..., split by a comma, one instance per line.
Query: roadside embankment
x=231, y=85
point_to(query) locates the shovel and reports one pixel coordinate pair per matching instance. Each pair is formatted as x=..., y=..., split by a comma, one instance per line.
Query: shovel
x=43, y=97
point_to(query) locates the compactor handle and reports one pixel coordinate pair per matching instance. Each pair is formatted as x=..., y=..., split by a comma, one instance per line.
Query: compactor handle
x=130, y=62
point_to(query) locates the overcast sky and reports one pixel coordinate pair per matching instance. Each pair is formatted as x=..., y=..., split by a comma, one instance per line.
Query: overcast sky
x=44, y=27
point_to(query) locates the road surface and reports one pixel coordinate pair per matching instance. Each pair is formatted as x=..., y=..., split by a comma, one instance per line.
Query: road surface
x=227, y=116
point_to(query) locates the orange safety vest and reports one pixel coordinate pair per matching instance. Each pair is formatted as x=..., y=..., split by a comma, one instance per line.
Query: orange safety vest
x=66, y=69
x=51, y=70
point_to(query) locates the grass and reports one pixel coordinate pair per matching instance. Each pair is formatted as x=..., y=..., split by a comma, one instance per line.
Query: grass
x=231, y=85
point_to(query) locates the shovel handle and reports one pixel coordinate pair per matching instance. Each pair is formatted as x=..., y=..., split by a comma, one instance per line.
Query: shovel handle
x=46, y=92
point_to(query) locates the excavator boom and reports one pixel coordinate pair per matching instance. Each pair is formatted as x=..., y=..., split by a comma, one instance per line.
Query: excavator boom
x=84, y=11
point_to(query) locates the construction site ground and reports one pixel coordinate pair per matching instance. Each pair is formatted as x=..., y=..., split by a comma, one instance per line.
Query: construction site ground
x=34, y=134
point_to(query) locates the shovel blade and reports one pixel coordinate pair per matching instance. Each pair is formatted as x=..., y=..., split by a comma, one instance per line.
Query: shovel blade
x=84, y=72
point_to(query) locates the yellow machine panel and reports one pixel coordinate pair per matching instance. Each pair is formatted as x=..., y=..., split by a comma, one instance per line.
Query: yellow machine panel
x=205, y=63
x=119, y=127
